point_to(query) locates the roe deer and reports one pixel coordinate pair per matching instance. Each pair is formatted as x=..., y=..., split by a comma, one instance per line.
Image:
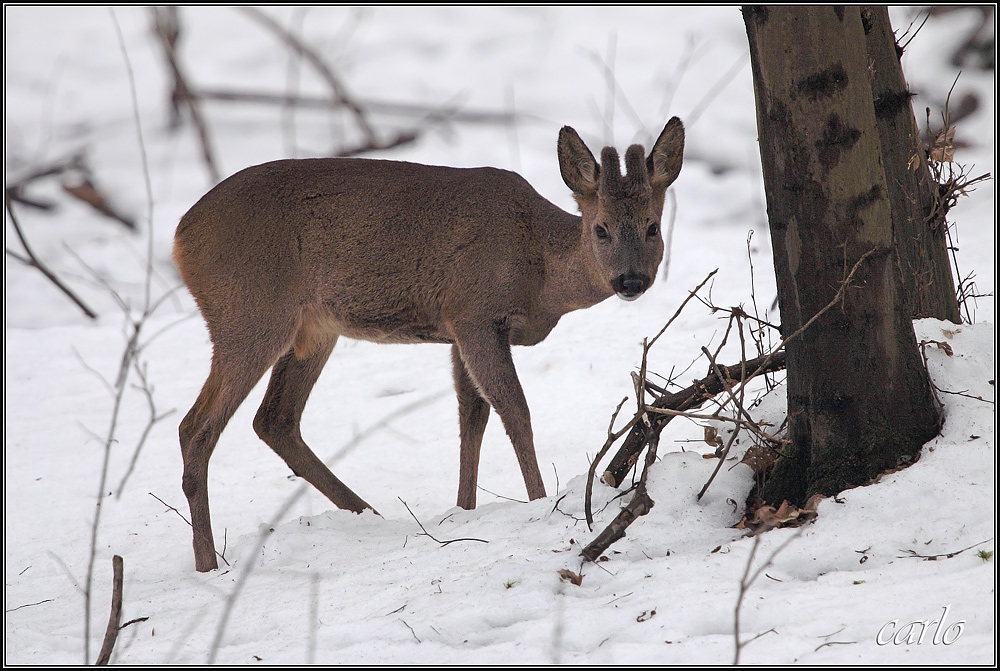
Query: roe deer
x=284, y=258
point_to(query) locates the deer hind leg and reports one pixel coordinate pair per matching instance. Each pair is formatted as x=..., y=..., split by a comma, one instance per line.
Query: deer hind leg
x=229, y=382
x=277, y=421
x=486, y=355
x=473, y=413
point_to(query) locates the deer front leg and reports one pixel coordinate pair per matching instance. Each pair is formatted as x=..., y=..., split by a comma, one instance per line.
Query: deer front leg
x=473, y=413
x=485, y=353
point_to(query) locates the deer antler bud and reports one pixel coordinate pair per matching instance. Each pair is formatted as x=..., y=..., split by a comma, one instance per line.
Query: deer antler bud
x=636, y=180
x=611, y=173
x=637, y=176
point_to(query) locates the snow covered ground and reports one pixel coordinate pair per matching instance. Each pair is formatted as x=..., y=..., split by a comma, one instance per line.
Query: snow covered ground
x=308, y=583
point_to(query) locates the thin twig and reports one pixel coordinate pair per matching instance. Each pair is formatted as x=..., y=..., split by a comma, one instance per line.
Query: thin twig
x=147, y=391
x=910, y=554
x=743, y=424
x=612, y=437
x=248, y=567
x=427, y=533
x=836, y=299
x=738, y=402
x=131, y=350
x=15, y=189
x=110, y=439
x=500, y=496
x=28, y=605
x=745, y=583
x=131, y=622
x=288, y=109
x=411, y=630
x=642, y=409
x=613, y=91
x=691, y=294
x=716, y=89
x=680, y=69
x=823, y=645
x=915, y=33
x=222, y=555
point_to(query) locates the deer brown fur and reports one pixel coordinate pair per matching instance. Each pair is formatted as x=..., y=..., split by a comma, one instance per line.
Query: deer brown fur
x=284, y=258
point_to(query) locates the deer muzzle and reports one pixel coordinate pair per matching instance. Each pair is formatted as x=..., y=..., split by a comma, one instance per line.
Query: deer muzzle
x=630, y=286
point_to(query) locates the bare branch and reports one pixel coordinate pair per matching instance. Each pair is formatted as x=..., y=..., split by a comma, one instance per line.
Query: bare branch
x=447, y=111
x=166, y=22
x=15, y=189
x=640, y=504
x=710, y=386
x=691, y=294
x=111, y=635
x=336, y=86
x=35, y=262
x=674, y=404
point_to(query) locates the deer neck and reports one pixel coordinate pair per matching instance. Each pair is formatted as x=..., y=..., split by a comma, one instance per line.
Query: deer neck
x=572, y=280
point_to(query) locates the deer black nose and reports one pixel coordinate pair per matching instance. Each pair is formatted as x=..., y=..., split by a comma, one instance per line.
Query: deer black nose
x=630, y=286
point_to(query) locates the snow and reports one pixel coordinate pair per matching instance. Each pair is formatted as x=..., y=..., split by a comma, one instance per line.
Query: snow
x=309, y=583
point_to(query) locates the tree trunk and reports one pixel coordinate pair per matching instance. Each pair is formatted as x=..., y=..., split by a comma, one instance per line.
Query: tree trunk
x=859, y=400
x=918, y=215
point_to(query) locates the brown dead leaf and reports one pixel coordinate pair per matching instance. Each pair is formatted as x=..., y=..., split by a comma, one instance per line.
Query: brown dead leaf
x=787, y=515
x=712, y=437
x=85, y=190
x=904, y=461
x=646, y=615
x=568, y=576
x=943, y=150
x=813, y=503
x=782, y=513
x=759, y=458
x=941, y=345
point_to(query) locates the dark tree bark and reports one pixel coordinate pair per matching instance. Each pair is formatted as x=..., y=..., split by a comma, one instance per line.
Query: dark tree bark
x=859, y=400
x=918, y=215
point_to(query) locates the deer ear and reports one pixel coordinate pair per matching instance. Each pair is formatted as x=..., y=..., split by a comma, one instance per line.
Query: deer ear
x=664, y=162
x=578, y=167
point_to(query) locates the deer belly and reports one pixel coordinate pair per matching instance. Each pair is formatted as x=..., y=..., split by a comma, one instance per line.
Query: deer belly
x=399, y=325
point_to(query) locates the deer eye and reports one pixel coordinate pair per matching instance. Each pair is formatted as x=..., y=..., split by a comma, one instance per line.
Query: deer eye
x=601, y=232
x=653, y=230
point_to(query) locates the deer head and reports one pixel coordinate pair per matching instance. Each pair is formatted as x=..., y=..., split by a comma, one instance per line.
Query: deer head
x=621, y=213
